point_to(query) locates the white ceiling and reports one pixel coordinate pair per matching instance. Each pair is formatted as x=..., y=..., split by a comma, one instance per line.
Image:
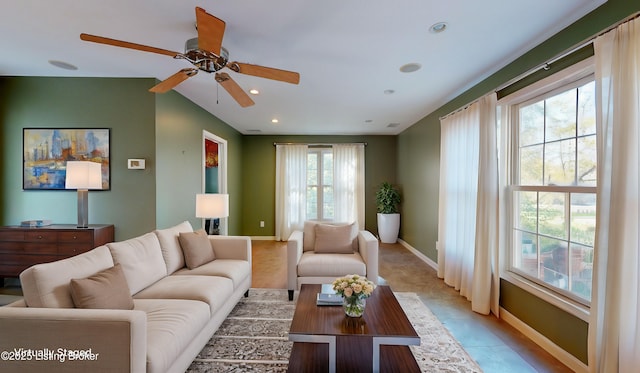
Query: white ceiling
x=347, y=52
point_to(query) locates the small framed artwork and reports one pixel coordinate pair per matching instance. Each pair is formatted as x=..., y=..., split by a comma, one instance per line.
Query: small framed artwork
x=47, y=150
x=135, y=163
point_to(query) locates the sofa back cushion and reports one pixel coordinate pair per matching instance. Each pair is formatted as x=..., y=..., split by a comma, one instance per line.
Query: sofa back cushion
x=48, y=285
x=141, y=260
x=171, y=250
x=309, y=234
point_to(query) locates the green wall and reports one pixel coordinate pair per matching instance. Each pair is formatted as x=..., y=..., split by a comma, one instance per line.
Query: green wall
x=418, y=170
x=165, y=130
x=259, y=168
x=124, y=105
x=179, y=126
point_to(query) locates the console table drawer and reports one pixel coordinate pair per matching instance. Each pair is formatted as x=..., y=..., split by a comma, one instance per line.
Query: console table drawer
x=40, y=236
x=75, y=236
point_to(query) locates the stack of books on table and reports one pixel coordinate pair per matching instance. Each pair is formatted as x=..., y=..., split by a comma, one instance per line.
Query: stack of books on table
x=328, y=297
x=35, y=223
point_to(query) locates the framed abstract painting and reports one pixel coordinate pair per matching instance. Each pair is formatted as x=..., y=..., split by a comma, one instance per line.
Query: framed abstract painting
x=47, y=150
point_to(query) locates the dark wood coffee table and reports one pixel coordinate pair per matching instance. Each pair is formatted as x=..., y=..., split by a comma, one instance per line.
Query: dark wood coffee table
x=326, y=340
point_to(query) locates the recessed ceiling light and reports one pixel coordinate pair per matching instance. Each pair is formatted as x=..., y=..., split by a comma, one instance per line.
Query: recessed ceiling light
x=410, y=67
x=274, y=120
x=439, y=27
x=63, y=65
x=368, y=121
x=389, y=91
x=254, y=91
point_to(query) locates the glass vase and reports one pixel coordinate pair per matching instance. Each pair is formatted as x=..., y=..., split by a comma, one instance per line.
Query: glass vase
x=354, y=306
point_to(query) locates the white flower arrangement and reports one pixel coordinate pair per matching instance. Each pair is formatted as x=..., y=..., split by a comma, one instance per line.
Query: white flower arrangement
x=353, y=285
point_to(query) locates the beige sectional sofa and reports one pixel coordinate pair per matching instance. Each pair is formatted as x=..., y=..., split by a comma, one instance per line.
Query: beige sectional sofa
x=176, y=306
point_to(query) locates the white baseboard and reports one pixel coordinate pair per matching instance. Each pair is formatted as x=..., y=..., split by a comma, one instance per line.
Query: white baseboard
x=566, y=358
x=263, y=238
x=419, y=254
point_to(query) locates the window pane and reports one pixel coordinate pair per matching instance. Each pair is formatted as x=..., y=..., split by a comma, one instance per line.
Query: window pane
x=560, y=115
x=531, y=165
x=583, y=218
x=586, y=109
x=312, y=169
x=587, y=161
x=551, y=215
x=581, y=270
x=554, y=262
x=312, y=203
x=532, y=124
x=327, y=202
x=327, y=169
x=528, y=258
x=560, y=162
x=528, y=211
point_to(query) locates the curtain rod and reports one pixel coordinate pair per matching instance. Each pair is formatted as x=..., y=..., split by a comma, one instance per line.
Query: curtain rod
x=319, y=144
x=546, y=64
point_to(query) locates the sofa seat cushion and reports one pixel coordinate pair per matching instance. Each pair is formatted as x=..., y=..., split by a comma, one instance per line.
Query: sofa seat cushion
x=171, y=326
x=323, y=265
x=236, y=270
x=141, y=260
x=214, y=291
x=47, y=285
x=171, y=249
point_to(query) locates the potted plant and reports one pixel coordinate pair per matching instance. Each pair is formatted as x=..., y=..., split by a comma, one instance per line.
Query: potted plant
x=387, y=201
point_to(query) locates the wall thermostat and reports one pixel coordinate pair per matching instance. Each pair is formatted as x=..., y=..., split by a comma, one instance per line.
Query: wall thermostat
x=136, y=164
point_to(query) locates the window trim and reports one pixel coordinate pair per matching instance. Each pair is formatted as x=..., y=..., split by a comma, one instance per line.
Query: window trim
x=563, y=79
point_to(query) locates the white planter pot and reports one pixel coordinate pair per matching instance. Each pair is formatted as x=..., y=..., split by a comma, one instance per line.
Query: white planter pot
x=388, y=227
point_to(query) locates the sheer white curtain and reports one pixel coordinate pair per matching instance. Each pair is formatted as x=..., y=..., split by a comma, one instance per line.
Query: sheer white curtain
x=348, y=183
x=614, y=328
x=291, y=189
x=468, y=204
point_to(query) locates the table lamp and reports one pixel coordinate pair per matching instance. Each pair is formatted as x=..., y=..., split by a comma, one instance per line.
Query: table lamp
x=212, y=206
x=83, y=175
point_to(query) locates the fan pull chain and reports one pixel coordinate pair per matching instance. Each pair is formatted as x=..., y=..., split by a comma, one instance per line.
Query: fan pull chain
x=217, y=94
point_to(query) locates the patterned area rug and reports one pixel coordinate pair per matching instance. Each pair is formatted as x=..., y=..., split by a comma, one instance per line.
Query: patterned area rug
x=254, y=338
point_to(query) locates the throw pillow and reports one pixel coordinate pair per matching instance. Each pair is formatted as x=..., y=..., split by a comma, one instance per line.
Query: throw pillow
x=334, y=239
x=106, y=289
x=196, y=247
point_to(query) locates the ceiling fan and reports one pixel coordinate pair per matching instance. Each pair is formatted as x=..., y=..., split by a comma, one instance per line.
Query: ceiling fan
x=206, y=53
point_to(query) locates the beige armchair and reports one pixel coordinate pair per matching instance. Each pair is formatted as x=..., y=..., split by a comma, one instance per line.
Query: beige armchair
x=324, y=251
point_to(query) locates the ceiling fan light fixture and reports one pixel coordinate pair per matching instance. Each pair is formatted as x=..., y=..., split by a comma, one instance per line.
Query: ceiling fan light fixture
x=438, y=27
x=410, y=67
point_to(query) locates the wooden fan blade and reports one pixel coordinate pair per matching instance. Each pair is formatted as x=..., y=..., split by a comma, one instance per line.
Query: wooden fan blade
x=265, y=72
x=210, y=31
x=173, y=80
x=126, y=44
x=234, y=89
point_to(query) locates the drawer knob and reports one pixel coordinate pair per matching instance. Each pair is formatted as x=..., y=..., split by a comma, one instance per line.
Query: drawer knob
x=39, y=236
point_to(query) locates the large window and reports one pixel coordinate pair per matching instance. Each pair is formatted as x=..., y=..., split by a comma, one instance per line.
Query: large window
x=554, y=188
x=320, y=184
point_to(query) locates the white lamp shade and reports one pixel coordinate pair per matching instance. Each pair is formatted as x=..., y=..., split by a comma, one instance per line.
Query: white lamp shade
x=83, y=175
x=212, y=205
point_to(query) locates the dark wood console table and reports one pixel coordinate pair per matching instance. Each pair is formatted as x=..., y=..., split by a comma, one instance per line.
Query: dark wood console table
x=22, y=247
